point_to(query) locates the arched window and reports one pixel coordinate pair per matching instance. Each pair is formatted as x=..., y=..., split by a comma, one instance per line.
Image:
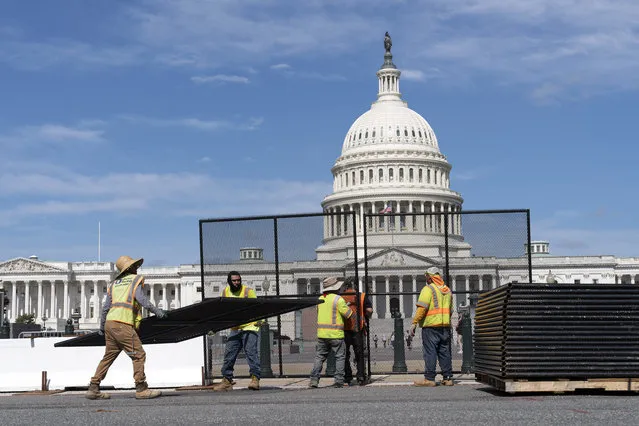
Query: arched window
x=361, y=177
x=435, y=173
x=413, y=132
x=410, y=175
x=360, y=135
x=366, y=135
x=420, y=133
x=370, y=175
x=390, y=175
x=428, y=176
x=346, y=179
x=405, y=131
x=398, y=132
x=373, y=132
x=401, y=174
x=380, y=175
x=353, y=178
x=420, y=176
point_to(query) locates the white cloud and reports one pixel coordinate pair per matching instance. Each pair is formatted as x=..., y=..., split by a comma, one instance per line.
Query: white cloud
x=280, y=67
x=288, y=71
x=52, y=133
x=140, y=193
x=220, y=78
x=194, y=123
x=416, y=75
x=204, y=160
x=552, y=49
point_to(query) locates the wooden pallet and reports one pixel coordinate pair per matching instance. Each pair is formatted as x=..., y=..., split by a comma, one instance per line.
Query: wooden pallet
x=559, y=385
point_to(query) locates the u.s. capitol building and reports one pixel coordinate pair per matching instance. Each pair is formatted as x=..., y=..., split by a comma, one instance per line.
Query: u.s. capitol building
x=390, y=161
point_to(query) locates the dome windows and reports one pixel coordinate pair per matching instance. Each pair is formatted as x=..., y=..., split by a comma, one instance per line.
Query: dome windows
x=405, y=132
x=410, y=175
x=413, y=132
x=381, y=175
x=373, y=132
x=390, y=175
x=366, y=135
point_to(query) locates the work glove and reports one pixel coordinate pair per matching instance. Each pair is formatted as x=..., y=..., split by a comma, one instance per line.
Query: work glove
x=161, y=314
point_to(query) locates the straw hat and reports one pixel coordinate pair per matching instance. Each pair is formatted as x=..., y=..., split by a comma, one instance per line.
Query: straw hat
x=125, y=263
x=433, y=270
x=332, y=283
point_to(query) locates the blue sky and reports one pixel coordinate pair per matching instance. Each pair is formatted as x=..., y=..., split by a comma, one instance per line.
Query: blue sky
x=148, y=115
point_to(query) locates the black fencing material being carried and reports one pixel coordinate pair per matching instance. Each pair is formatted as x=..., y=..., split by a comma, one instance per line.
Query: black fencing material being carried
x=555, y=331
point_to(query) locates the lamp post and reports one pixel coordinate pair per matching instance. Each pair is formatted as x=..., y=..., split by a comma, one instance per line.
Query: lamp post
x=265, y=340
x=44, y=322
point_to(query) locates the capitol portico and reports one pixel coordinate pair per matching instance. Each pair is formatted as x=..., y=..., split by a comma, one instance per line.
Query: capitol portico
x=390, y=163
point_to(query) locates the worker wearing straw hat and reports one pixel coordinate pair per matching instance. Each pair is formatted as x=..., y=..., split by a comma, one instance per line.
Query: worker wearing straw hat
x=121, y=316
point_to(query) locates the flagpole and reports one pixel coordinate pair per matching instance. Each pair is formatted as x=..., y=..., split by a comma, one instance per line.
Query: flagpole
x=98, y=241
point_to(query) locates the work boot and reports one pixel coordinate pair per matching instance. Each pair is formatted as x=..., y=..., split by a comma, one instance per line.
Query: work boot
x=142, y=391
x=224, y=385
x=448, y=382
x=314, y=383
x=425, y=382
x=255, y=383
x=94, y=392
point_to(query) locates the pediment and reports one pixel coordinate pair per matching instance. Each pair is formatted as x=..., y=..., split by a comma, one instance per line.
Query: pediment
x=396, y=257
x=22, y=265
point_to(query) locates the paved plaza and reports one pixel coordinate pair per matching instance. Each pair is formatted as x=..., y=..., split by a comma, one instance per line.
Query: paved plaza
x=388, y=400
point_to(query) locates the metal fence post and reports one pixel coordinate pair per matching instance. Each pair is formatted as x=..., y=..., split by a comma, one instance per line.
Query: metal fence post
x=265, y=351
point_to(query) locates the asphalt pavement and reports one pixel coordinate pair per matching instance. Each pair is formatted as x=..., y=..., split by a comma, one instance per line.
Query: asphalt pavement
x=389, y=399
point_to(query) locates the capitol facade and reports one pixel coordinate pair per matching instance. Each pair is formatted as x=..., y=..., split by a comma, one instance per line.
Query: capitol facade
x=390, y=162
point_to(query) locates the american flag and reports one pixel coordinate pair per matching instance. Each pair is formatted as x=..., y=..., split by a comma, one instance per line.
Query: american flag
x=386, y=209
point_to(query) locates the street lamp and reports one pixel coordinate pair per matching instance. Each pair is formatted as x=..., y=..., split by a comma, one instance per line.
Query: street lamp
x=265, y=340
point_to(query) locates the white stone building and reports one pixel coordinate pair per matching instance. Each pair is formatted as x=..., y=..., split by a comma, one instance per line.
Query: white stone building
x=390, y=161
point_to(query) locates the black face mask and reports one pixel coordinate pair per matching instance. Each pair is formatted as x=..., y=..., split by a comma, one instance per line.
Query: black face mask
x=236, y=287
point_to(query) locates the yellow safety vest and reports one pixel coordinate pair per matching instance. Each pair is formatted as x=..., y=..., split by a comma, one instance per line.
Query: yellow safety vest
x=124, y=307
x=331, y=315
x=437, y=301
x=246, y=293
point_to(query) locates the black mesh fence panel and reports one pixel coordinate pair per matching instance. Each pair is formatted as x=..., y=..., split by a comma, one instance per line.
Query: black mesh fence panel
x=278, y=257
x=470, y=248
x=289, y=256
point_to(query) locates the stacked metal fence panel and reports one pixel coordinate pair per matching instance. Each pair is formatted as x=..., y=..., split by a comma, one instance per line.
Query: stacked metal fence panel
x=536, y=331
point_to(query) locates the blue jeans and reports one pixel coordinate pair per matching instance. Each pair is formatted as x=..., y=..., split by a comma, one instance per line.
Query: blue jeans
x=436, y=342
x=322, y=349
x=235, y=342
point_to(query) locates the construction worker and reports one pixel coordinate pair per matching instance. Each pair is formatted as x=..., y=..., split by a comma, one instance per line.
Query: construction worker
x=241, y=337
x=353, y=332
x=121, y=316
x=433, y=316
x=330, y=331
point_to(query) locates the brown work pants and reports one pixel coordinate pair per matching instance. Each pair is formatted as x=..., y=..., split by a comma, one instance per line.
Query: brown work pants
x=121, y=337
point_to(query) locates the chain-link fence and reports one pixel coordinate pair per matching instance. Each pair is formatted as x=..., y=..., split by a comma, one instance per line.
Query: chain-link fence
x=277, y=256
x=387, y=254
x=472, y=248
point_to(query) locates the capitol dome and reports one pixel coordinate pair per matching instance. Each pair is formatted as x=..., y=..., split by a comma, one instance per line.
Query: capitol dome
x=390, y=123
x=391, y=164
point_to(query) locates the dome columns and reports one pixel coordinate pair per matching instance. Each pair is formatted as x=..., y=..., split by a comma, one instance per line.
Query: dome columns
x=337, y=225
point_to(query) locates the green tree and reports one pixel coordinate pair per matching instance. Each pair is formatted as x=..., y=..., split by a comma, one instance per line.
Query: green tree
x=26, y=319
